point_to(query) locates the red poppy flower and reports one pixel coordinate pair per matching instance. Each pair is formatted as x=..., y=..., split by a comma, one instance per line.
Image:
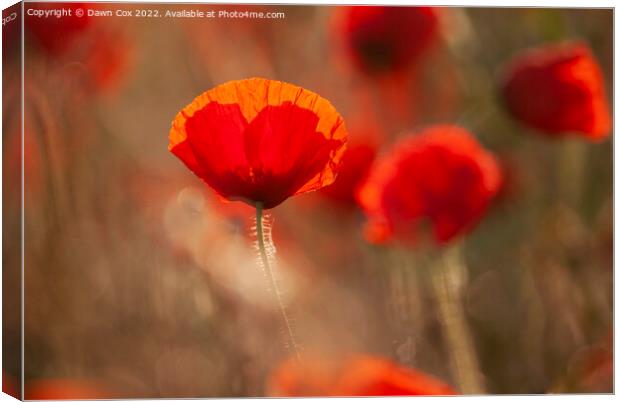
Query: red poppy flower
x=44, y=389
x=442, y=175
x=107, y=59
x=594, y=366
x=55, y=35
x=558, y=89
x=354, y=376
x=260, y=141
x=356, y=163
x=387, y=39
x=98, y=49
x=10, y=385
x=11, y=33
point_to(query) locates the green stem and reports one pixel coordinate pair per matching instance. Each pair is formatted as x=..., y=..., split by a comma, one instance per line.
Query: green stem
x=260, y=236
x=571, y=171
x=447, y=282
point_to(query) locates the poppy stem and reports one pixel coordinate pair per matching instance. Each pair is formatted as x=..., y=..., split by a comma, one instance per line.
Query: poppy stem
x=260, y=236
x=571, y=172
x=448, y=279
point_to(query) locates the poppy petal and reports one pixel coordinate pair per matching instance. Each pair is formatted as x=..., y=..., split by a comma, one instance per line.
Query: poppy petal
x=258, y=140
x=287, y=130
x=441, y=175
x=356, y=375
x=558, y=89
x=387, y=39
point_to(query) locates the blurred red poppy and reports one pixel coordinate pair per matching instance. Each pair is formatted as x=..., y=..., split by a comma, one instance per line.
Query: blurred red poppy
x=355, y=376
x=442, y=175
x=558, y=89
x=100, y=50
x=597, y=371
x=356, y=163
x=10, y=385
x=107, y=59
x=260, y=141
x=387, y=39
x=594, y=366
x=55, y=35
x=60, y=388
x=11, y=33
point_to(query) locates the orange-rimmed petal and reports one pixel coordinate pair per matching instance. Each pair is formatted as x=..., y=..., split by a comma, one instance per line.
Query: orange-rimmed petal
x=252, y=95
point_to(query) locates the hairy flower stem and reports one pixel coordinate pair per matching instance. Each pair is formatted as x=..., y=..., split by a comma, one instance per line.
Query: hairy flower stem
x=260, y=237
x=448, y=277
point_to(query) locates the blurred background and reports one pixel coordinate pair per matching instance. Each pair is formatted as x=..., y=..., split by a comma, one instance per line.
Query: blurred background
x=140, y=282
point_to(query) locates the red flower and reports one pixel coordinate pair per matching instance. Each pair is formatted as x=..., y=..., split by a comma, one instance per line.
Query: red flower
x=260, y=141
x=11, y=33
x=98, y=49
x=442, y=175
x=356, y=163
x=355, y=376
x=387, y=39
x=10, y=385
x=107, y=60
x=558, y=89
x=593, y=367
x=44, y=389
x=55, y=35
